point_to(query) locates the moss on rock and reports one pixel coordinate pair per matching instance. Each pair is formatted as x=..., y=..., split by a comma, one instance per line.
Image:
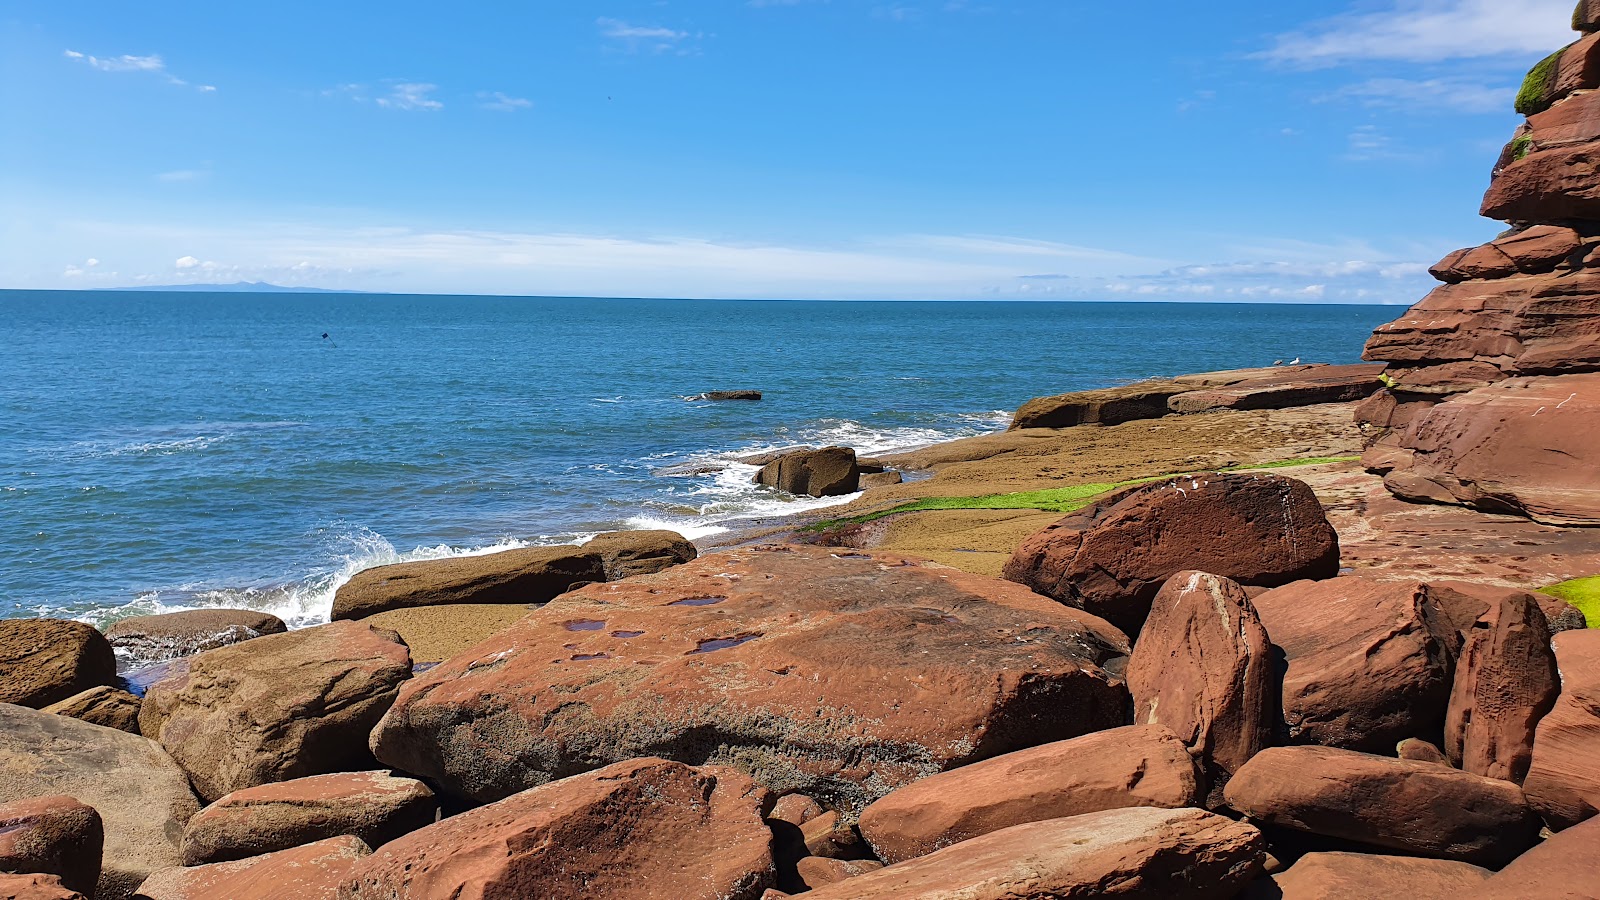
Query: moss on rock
x=1533, y=98
x=1583, y=593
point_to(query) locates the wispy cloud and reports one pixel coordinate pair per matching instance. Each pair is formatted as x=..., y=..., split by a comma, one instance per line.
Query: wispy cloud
x=1369, y=143
x=1429, y=31
x=500, y=102
x=152, y=64
x=411, y=96
x=654, y=38
x=1461, y=95
x=182, y=175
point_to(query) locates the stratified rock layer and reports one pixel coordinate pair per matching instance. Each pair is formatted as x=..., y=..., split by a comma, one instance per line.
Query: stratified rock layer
x=839, y=675
x=313, y=872
x=1563, y=783
x=45, y=661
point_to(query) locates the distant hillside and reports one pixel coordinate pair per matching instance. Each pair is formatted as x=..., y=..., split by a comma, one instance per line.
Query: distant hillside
x=238, y=287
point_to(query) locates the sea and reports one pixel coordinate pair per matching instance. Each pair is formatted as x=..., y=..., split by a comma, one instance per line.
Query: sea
x=169, y=451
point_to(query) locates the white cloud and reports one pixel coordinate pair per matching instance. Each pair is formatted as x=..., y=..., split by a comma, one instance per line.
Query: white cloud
x=186, y=262
x=411, y=96
x=495, y=100
x=129, y=63
x=1430, y=31
x=1463, y=95
x=616, y=28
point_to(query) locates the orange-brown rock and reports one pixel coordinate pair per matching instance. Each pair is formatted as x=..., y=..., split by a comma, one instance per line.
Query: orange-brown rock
x=141, y=795
x=313, y=872
x=1526, y=445
x=529, y=575
x=1107, y=406
x=35, y=887
x=1139, y=765
x=840, y=675
x=645, y=828
x=1465, y=603
x=1138, y=854
x=277, y=707
x=374, y=806
x=818, y=872
x=45, y=661
x=1112, y=558
x=1505, y=682
x=626, y=554
x=1323, y=384
x=1419, y=750
x=1548, y=185
x=1526, y=325
x=1565, y=867
x=1531, y=251
x=1365, y=666
x=1344, y=876
x=108, y=707
x=1563, y=783
x=52, y=836
x=1417, y=808
x=1203, y=667
x=796, y=809
x=828, y=472
x=1586, y=17
x=152, y=639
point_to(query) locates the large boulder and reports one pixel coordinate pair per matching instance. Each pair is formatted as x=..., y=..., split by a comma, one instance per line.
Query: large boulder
x=1505, y=682
x=374, y=806
x=1549, y=185
x=141, y=795
x=36, y=887
x=1417, y=808
x=52, y=836
x=278, y=707
x=1139, y=765
x=1563, y=783
x=1321, y=384
x=1107, y=406
x=828, y=472
x=1112, y=558
x=1365, y=666
x=1204, y=668
x=530, y=575
x=637, y=830
x=1565, y=867
x=840, y=675
x=106, y=706
x=152, y=639
x=1342, y=876
x=1529, y=446
x=44, y=661
x=625, y=554
x=313, y=872
x=1530, y=251
x=1137, y=854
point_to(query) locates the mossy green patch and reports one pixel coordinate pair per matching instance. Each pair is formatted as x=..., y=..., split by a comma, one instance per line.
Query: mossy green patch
x=1061, y=500
x=1521, y=146
x=1532, y=98
x=1584, y=593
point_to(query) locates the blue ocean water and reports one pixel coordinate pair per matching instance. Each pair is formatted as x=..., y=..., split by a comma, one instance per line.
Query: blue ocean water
x=173, y=450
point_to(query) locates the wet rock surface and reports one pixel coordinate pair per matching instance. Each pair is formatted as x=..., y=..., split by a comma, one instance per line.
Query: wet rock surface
x=144, y=640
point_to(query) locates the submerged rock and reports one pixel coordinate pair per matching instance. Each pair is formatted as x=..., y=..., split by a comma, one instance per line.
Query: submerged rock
x=719, y=396
x=839, y=675
x=153, y=639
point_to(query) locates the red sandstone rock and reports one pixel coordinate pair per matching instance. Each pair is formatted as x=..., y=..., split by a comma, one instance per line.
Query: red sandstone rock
x=1528, y=445
x=1137, y=854
x=1112, y=558
x=1365, y=666
x=628, y=554
x=35, y=887
x=1142, y=765
x=45, y=661
x=1505, y=682
x=529, y=575
x=1203, y=668
x=1549, y=185
x=1575, y=120
x=52, y=836
x=1418, y=750
x=796, y=809
x=1566, y=867
x=838, y=674
x=1563, y=783
x=1343, y=876
x=1586, y=17
x=1324, y=384
x=641, y=829
x=1109, y=406
x=374, y=806
x=1531, y=251
x=108, y=707
x=817, y=872
x=829, y=472
x=277, y=707
x=1413, y=807
x=313, y=872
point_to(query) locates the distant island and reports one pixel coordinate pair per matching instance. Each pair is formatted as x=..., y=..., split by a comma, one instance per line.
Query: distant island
x=238, y=287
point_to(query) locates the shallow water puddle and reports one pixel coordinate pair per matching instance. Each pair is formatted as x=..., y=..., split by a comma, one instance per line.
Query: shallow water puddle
x=698, y=601
x=715, y=644
x=585, y=625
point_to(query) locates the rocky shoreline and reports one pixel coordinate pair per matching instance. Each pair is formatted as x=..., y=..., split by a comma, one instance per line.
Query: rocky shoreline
x=1299, y=632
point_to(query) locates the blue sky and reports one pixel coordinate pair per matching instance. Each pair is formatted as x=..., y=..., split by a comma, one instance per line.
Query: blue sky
x=963, y=149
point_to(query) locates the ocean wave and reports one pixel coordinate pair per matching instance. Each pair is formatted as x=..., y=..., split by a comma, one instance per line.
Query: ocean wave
x=164, y=441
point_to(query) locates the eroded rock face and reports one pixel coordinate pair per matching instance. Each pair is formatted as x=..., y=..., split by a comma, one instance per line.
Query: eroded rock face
x=36, y=887
x=1566, y=866
x=313, y=872
x=1505, y=682
x=530, y=575
x=1338, y=876
x=637, y=830
x=141, y=795
x=1322, y=384
x=45, y=661
x=1563, y=783
x=147, y=640
x=1113, y=557
x=1147, y=854
x=625, y=554
x=1414, y=807
x=1203, y=668
x=790, y=663
x=374, y=806
x=1366, y=667
x=828, y=472
x=278, y=707
x=1140, y=765
x=108, y=707
x=52, y=836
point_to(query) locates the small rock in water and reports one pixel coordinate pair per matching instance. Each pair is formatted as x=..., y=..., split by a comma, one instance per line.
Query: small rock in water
x=729, y=395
